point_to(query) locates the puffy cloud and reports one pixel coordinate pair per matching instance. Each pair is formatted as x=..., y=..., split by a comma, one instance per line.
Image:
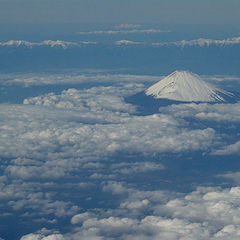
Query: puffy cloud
x=223, y=118
x=88, y=125
x=143, y=132
x=228, y=232
x=137, y=204
x=79, y=218
x=148, y=228
x=229, y=149
x=206, y=213
x=31, y=236
x=37, y=203
x=40, y=237
x=31, y=171
x=212, y=205
x=210, y=112
x=97, y=100
x=115, y=187
x=216, y=206
x=70, y=141
x=54, y=237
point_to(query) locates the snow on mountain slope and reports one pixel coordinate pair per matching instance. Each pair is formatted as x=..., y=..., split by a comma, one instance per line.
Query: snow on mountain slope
x=187, y=87
x=50, y=43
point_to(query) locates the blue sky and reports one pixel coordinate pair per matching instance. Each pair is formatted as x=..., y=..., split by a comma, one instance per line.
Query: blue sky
x=112, y=11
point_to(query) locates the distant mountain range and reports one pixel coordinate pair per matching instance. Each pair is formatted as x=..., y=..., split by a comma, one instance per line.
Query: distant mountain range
x=204, y=56
x=201, y=42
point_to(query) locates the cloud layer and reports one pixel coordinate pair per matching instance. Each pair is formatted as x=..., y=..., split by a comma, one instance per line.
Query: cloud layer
x=39, y=79
x=207, y=213
x=88, y=159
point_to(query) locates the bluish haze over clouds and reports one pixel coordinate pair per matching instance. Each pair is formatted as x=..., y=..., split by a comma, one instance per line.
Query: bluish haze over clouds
x=111, y=11
x=84, y=153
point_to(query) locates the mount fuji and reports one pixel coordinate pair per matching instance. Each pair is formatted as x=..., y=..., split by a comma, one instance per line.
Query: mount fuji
x=186, y=86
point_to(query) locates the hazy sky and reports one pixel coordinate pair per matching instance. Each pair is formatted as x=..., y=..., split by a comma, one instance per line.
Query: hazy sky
x=112, y=11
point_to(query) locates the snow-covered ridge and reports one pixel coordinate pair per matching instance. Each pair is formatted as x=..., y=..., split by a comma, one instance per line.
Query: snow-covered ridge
x=202, y=42
x=50, y=43
x=187, y=87
x=207, y=42
x=127, y=42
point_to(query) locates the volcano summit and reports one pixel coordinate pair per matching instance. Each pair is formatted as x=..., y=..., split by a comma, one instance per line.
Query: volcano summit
x=186, y=86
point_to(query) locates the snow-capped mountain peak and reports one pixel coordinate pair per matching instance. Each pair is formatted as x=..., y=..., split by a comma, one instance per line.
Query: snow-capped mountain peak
x=187, y=87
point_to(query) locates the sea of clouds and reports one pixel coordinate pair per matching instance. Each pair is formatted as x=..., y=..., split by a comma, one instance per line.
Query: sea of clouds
x=85, y=164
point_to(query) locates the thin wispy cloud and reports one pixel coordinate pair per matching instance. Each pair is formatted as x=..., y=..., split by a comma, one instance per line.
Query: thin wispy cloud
x=114, y=32
x=128, y=26
x=38, y=79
